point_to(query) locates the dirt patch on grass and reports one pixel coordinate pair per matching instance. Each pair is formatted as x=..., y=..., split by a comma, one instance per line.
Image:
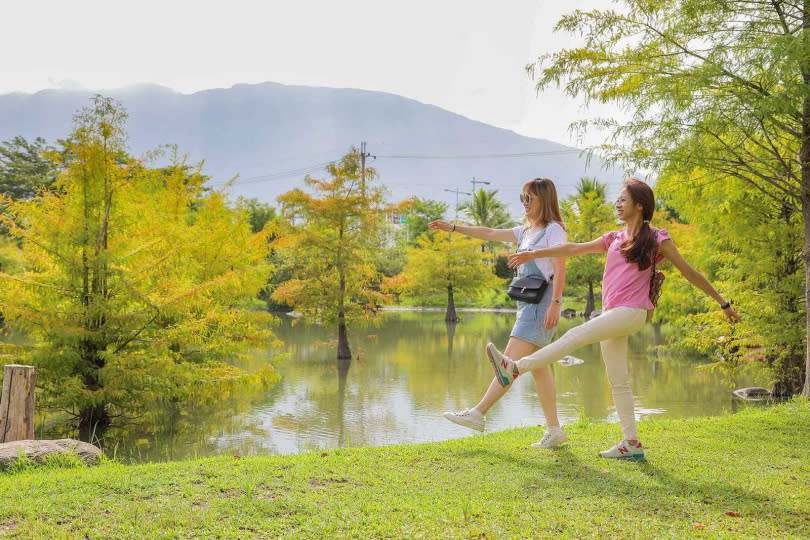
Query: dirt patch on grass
x=323, y=482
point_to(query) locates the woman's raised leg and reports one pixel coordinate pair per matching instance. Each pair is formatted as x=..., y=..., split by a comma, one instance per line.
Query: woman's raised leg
x=617, y=322
x=519, y=348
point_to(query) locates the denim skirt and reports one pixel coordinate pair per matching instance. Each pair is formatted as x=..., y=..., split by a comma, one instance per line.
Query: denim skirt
x=530, y=322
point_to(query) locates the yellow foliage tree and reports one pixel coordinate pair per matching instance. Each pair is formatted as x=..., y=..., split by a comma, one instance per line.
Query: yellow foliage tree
x=332, y=239
x=135, y=281
x=445, y=261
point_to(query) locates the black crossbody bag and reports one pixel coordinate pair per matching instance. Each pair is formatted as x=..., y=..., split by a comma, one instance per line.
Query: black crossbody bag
x=527, y=289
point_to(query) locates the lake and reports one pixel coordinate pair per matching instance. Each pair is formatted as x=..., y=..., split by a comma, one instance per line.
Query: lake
x=404, y=374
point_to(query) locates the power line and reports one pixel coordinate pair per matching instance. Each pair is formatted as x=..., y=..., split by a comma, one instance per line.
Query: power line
x=483, y=156
x=280, y=175
x=291, y=173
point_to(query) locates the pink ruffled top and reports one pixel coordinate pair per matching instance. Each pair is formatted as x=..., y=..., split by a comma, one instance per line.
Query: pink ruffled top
x=623, y=284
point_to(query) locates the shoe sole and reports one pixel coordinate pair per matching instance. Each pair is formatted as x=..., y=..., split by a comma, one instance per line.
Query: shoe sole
x=458, y=422
x=502, y=379
x=637, y=457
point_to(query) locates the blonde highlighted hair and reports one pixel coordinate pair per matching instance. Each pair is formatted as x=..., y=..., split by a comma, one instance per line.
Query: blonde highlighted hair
x=544, y=190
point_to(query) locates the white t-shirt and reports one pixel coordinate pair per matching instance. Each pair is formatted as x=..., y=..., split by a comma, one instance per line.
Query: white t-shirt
x=554, y=236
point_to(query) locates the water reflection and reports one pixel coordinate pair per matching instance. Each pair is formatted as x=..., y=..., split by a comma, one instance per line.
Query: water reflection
x=451, y=332
x=405, y=373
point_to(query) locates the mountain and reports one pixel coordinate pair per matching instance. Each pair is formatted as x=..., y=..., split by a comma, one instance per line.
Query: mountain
x=271, y=135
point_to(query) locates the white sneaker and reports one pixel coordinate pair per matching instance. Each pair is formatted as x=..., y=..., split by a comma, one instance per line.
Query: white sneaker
x=624, y=450
x=551, y=439
x=470, y=418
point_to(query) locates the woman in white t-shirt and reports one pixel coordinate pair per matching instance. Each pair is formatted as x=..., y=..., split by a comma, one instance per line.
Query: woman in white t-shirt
x=535, y=323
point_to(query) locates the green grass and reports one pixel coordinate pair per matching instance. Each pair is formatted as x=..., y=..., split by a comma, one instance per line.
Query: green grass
x=746, y=475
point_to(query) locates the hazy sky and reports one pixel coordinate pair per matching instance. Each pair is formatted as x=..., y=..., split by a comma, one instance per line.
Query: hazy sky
x=467, y=56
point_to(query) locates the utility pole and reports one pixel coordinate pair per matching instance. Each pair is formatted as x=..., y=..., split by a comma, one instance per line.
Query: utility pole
x=474, y=181
x=457, y=192
x=363, y=156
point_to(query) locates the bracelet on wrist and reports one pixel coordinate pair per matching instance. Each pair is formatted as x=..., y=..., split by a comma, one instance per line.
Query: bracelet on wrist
x=454, y=228
x=557, y=301
x=726, y=305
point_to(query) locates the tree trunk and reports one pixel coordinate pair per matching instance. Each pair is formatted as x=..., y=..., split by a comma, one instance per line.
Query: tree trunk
x=804, y=160
x=450, y=315
x=806, y=257
x=343, y=352
x=589, y=304
x=93, y=421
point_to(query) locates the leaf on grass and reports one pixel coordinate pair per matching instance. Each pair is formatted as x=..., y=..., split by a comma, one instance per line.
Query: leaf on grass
x=699, y=526
x=733, y=514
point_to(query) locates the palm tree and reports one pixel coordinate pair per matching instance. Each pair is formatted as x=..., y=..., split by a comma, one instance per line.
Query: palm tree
x=587, y=184
x=485, y=210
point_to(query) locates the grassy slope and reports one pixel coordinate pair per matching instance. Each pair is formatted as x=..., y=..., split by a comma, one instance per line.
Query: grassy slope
x=745, y=474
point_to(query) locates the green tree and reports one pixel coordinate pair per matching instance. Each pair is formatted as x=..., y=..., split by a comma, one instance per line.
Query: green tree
x=764, y=243
x=418, y=214
x=262, y=217
x=442, y=261
x=587, y=215
x=25, y=167
x=331, y=239
x=132, y=288
x=259, y=213
x=719, y=91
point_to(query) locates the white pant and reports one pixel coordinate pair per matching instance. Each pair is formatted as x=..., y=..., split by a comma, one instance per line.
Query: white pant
x=611, y=329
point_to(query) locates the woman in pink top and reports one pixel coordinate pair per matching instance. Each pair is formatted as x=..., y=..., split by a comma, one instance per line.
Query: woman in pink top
x=625, y=301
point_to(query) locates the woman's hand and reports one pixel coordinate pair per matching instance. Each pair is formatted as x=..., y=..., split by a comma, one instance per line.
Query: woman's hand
x=552, y=317
x=732, y=315
x=516, y=259
x=441, y=225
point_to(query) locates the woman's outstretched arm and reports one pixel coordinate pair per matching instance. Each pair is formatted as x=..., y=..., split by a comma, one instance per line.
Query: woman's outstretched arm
x=567, y=249
x=482, y=233
x=670, y=252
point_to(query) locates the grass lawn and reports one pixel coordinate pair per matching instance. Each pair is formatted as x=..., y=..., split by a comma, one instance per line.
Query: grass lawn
x=742, y=475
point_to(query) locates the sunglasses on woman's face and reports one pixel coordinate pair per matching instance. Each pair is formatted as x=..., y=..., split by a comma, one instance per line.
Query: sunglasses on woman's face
x=525, y=198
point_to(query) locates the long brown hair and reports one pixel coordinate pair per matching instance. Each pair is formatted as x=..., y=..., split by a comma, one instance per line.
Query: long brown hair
x=641, y=247
x=543, y=189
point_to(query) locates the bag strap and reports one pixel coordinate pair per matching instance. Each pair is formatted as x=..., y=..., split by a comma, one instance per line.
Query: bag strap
x=539, y=236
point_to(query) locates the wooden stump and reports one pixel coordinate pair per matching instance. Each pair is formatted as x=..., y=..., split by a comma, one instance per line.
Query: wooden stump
x=17, y=403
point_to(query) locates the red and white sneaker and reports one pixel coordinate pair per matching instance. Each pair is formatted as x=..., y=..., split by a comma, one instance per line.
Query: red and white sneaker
x=624, y=450
x=505, y=369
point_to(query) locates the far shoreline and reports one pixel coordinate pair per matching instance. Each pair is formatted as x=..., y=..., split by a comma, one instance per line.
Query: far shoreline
x=467, y=309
